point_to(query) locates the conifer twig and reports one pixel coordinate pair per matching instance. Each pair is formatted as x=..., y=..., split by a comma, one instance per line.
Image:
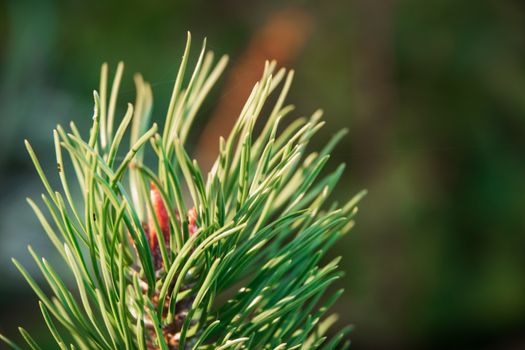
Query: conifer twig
x=154, y=250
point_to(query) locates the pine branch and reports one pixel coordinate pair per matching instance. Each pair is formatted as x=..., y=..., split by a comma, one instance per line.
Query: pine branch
x=154, y=250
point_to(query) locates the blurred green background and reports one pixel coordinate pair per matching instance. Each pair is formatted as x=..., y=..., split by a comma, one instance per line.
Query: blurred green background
x=433, y=93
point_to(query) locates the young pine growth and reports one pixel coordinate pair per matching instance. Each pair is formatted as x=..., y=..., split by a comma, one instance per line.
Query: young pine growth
x=166, y=257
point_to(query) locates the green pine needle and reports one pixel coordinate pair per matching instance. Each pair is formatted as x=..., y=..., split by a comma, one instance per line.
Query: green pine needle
x=155, y=251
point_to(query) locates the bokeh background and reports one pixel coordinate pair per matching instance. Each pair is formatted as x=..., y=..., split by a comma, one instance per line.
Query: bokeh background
x=433, y=93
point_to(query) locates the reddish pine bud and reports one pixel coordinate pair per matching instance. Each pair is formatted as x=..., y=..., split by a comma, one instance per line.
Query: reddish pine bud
x=161, y=214
x=192, y=221
x=162, y=217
